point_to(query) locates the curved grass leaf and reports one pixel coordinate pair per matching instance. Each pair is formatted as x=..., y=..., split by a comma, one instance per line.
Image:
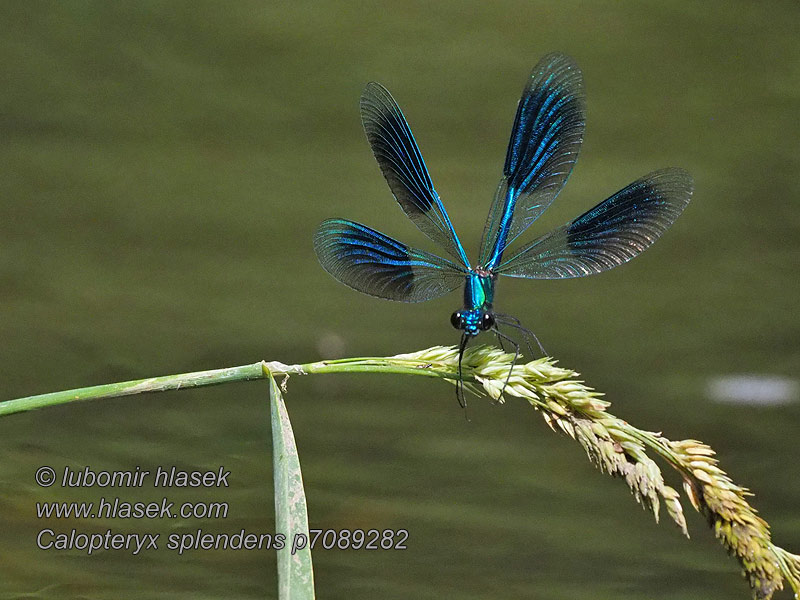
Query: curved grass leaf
x=295, y=572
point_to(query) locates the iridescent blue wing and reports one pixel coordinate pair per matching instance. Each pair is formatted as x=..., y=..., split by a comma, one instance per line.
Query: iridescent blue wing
x=610, y=234
x=544, y=144
x=402, y=165
x=371, y=262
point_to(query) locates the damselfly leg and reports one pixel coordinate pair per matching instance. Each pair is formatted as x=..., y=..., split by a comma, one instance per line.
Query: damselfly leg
x=500, y=335
x=499, y=339
x=511, y=321
x=462, y=401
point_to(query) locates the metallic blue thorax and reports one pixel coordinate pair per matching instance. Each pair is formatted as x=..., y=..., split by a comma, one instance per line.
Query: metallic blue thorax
x=478, y=297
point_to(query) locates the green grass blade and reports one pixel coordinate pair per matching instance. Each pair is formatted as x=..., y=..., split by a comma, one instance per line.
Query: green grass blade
x=295, y=572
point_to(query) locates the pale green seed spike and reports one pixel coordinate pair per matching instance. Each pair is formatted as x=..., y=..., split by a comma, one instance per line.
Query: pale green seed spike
x=567, y=405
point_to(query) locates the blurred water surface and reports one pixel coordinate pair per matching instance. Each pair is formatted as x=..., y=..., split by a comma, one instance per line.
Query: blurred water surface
x=163, y=167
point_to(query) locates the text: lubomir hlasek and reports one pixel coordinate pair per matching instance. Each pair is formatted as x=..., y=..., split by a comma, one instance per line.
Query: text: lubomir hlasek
x=138, y=477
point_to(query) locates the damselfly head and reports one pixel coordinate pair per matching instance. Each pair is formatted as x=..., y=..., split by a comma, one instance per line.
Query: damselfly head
x=472, y=322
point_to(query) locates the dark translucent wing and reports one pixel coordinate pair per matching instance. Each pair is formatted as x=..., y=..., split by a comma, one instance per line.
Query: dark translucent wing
x=401, y=163
x=371, y=262
x=544, y=144
x=610, y=234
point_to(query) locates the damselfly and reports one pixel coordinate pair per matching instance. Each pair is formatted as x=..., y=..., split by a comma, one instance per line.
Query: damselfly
x=545, y=139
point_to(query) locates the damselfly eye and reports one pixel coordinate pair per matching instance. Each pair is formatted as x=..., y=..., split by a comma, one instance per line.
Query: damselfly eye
x=487, y=321
x=456, y=320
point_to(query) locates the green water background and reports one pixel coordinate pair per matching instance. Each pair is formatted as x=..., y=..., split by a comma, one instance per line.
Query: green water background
x=162, y=169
